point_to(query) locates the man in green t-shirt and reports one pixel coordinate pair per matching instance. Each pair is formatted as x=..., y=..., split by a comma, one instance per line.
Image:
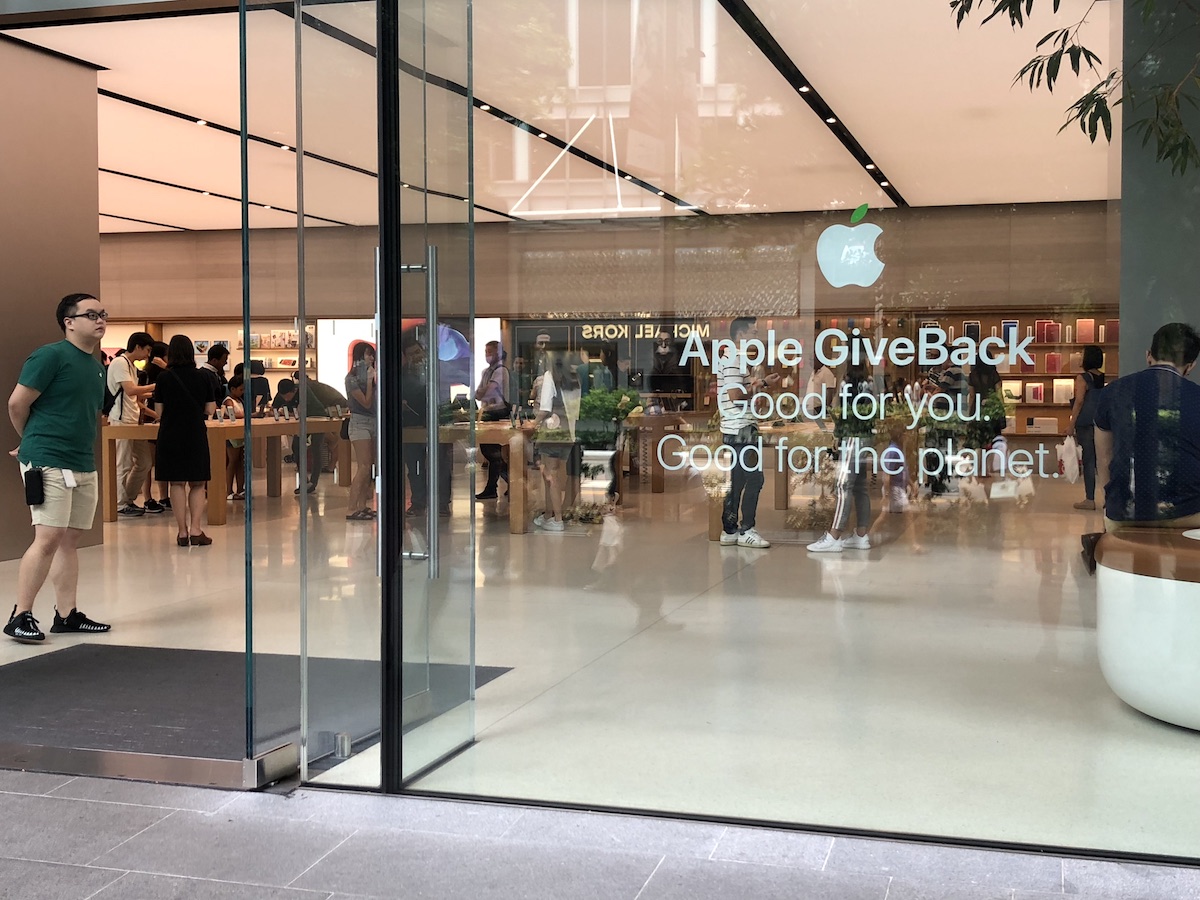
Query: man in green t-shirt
x=54, y=409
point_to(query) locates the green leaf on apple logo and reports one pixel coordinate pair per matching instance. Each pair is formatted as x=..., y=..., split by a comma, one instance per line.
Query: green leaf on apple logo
x=859, y=214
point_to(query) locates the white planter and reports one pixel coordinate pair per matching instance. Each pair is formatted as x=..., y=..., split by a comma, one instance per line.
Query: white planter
x=1148, y=632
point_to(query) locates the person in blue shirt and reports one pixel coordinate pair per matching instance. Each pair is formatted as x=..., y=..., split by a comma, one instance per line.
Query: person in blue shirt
x=1148, y=438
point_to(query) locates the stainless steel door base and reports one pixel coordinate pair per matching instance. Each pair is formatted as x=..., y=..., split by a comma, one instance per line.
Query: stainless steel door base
x=231, y=774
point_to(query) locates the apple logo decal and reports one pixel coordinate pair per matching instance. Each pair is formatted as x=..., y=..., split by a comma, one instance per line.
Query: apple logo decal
x=846, y=255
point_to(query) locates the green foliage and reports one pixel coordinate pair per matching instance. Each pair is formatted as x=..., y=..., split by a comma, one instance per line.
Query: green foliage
x=1164, y=104
x=600, y=415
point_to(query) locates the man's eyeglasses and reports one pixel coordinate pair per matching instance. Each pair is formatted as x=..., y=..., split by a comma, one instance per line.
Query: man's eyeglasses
x=91, y=315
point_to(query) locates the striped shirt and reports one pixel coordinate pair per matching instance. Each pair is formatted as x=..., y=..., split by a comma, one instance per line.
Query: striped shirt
x=735, y=414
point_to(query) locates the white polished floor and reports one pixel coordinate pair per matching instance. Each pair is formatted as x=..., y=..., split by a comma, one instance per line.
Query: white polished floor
x=955, y=693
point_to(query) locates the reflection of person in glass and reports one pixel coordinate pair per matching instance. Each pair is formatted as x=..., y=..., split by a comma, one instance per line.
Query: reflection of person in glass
x=735, y=388
x=1088, y=385
x=1148, y=438
x=414, y=406
x=492, y=396
x=361, y=429
x=666, y=375
x=854, y=463
x=555, y=443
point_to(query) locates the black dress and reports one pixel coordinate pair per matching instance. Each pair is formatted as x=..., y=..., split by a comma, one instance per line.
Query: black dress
x=183, y=392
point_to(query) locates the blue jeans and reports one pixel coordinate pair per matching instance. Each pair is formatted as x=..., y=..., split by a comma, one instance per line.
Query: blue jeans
x=745, y=485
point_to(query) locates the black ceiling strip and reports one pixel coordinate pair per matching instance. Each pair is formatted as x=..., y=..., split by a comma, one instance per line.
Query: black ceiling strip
x=169, y=9
x=762, y=38
x=455, y=88
x=105, y=215
x=46, y=51
x=233, y=132
x=225, y=129
x=195, y=190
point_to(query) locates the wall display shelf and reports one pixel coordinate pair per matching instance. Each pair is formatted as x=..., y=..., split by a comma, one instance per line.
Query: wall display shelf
x=278, y=340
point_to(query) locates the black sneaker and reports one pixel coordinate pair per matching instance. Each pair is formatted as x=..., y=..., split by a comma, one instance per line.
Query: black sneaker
x=165, y=502
x=153, y=506
x=24, y=628
x=132, y=511
x=77, y=622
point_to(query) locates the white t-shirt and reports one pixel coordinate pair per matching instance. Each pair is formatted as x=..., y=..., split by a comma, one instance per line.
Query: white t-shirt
x=820, y=384
x=735, y=414
x=125, y=409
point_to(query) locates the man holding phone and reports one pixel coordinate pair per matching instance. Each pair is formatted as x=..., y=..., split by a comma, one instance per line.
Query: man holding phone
x=54, y=408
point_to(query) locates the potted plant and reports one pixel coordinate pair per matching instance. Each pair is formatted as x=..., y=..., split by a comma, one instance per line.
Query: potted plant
x=600, y=415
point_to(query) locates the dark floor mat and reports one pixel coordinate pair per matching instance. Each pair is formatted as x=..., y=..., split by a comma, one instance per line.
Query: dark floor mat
x=193, y=702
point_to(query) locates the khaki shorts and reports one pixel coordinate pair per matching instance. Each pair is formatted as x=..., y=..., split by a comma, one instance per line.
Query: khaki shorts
x=66, y=507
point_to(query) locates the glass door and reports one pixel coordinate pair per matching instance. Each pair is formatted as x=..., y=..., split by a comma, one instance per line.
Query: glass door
x=428, y=321
x=386, y=256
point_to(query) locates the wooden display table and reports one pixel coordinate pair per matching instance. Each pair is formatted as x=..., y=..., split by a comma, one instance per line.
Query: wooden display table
x=1148, y=621
x=218, y=434
x=491, y=433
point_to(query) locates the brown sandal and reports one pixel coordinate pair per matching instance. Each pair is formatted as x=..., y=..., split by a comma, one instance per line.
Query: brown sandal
x=200, y=540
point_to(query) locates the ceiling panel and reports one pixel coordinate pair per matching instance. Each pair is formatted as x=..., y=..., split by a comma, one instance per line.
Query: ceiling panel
x=129, y=197
x=935, y=106
x=111, y=225
x=694, y=107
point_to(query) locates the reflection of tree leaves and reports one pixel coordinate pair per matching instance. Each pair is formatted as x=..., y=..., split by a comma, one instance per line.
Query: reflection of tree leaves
x=528, y=39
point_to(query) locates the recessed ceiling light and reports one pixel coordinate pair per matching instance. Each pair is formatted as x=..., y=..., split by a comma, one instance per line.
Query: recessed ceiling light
x=201, y=122
x=885, y=183
x=265, y=206
x=205, y=193
x=484, y=107
x=870, y=167
x=404, y=185
x=831, y=120
x=662, y=193
x=466, y=200
x=804, y=89
x=284, y=147
x=629, y=178
x=541, y=134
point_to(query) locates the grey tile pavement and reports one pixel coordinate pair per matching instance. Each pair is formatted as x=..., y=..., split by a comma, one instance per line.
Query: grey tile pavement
x=407, y=813
x=774, y=848
x=219, y=846
x=690, y=879
x=93, y=839
x=30, y=782
x=1100, y=880
x=67, y=831
x=140, y=886
x=49, y=881
x=634, y=834
x=954, y=865
x=140, y=793
x=377, y=863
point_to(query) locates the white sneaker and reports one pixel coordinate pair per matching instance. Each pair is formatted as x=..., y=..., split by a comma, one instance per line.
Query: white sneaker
x=540, y=520
x=728, y=540
x=553, y=525
x=751, y=538
x=827, y=544
x=857, y=542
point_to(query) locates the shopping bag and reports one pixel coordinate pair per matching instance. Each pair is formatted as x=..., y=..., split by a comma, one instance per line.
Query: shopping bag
x=1068, y=459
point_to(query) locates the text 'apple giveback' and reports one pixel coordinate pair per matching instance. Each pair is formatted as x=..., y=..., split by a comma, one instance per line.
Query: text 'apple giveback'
x=832, y=349
x=931, y=348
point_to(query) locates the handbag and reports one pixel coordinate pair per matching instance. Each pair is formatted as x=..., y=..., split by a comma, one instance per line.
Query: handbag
x=345, y=432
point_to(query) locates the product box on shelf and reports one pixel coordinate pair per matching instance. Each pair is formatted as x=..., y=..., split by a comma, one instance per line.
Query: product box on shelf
x=1041, y=425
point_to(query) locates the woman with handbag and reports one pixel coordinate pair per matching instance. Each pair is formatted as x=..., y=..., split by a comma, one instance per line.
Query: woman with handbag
x=1088, y=385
